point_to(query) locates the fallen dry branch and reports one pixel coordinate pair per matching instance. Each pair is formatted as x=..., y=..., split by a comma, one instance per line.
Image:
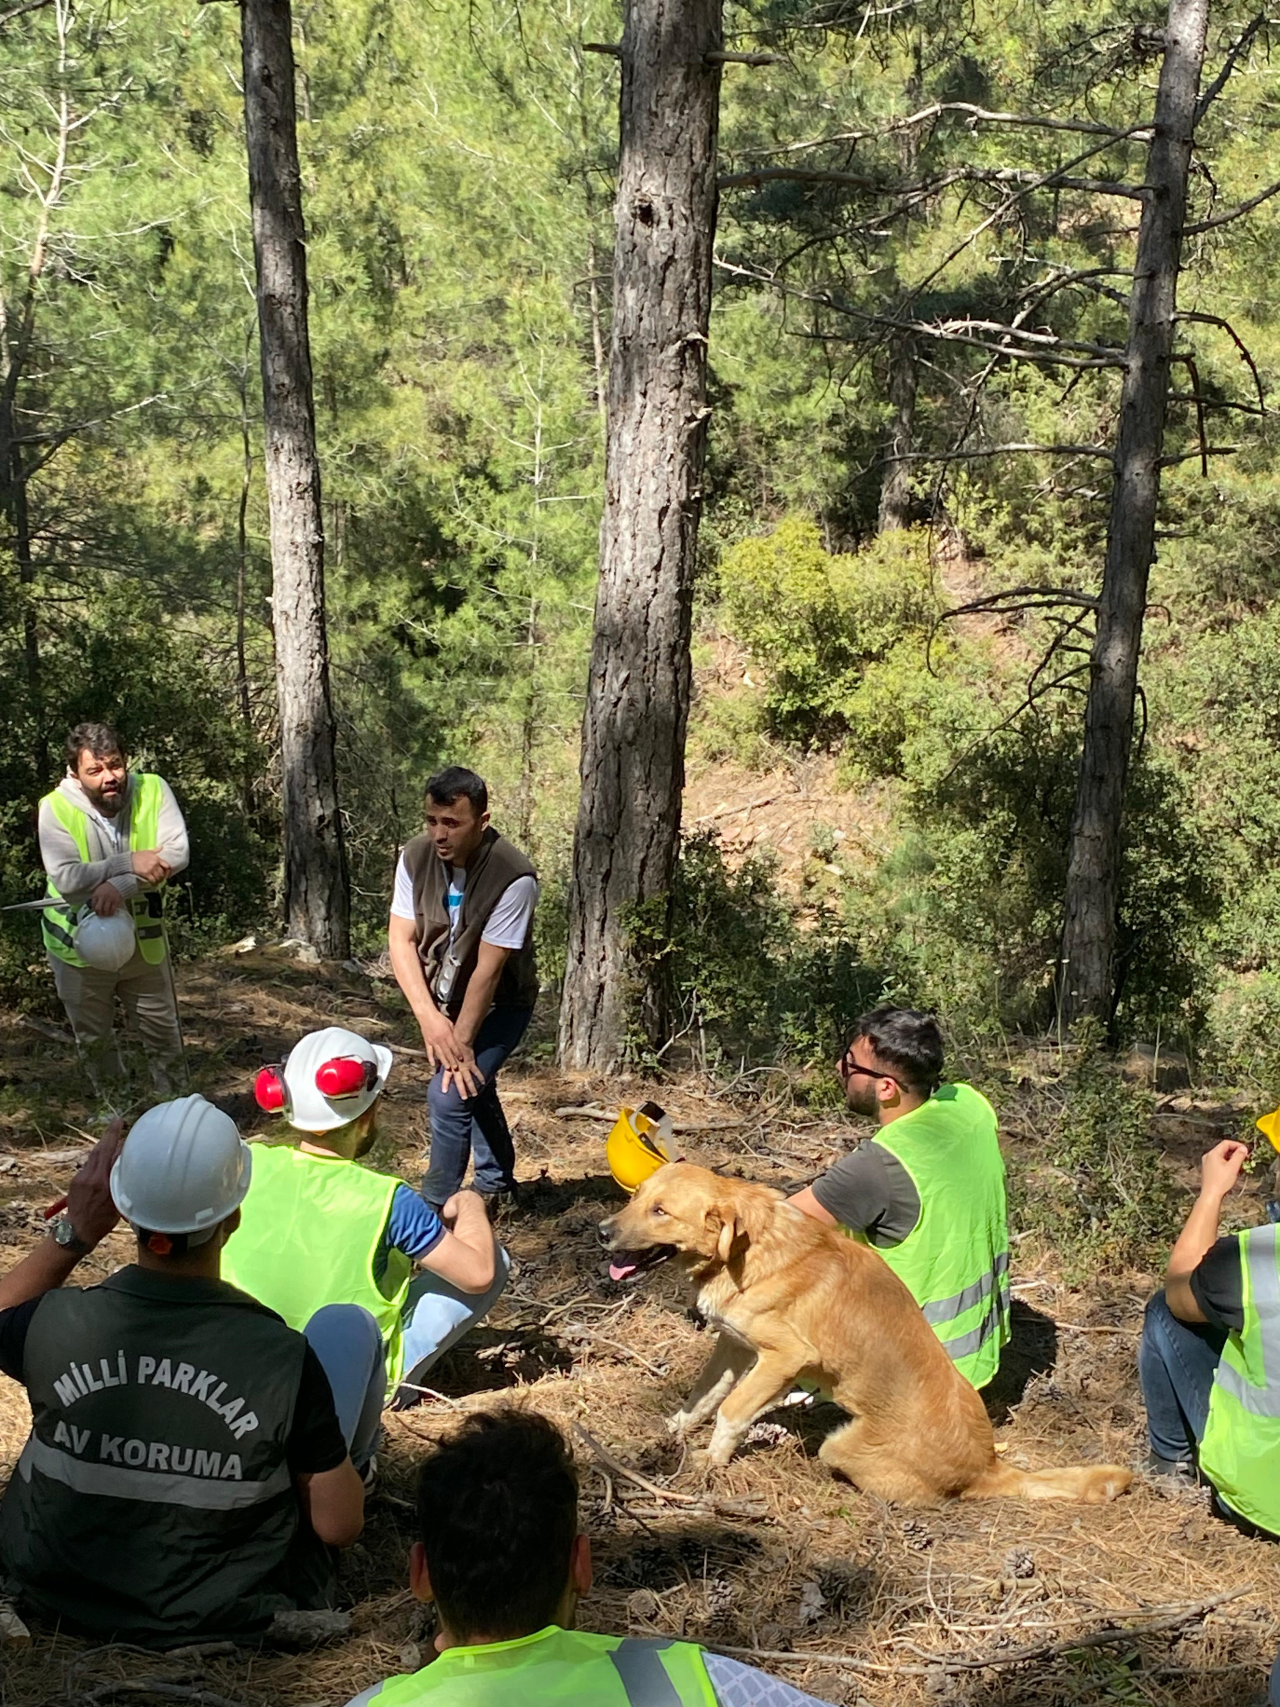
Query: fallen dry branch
x=1163, y=1618
x=158, y=1689
x=692, y=1504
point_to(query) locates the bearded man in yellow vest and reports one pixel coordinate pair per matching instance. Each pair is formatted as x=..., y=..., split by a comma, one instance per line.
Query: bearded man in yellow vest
x=1209, y=1358
x=504, y=1561
x=109, y=841
x=319, y=1228
x=928, y=1191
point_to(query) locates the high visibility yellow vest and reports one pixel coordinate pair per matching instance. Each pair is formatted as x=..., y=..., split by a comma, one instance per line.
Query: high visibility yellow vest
x=1240, y=1452
x=562, y=1667
x=955, y=1260
x=309, y=1231
x=58, y=923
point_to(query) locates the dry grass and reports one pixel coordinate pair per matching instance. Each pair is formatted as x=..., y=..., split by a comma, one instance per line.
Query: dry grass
x=774, y=1554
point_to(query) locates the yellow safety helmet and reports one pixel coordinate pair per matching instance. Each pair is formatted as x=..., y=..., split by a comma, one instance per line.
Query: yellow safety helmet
x=1269, y=1126
x=638, y=1145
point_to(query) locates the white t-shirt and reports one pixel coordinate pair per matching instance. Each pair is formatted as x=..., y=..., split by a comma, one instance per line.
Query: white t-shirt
x=507, y=925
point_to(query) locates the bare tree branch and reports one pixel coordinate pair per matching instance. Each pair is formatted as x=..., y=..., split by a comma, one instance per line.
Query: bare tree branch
x=19, y=11
x=1231, y=213
x=960, y=175
x=980, y=115
x=1240, y=46
x=1000, y=450
x=1225, y=325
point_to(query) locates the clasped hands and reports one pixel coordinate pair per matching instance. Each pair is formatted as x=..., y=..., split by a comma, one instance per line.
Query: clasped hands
x=445, y=1049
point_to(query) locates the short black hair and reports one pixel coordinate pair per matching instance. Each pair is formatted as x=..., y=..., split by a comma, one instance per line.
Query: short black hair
x=100, y=739
x=446, y=785
x=497, y=1515
x=909, y=1041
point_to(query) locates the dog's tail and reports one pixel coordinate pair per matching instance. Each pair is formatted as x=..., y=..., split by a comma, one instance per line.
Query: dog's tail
x=1091, y=1484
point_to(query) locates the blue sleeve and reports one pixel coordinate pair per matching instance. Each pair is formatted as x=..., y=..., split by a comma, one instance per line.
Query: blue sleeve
x=414, y=1226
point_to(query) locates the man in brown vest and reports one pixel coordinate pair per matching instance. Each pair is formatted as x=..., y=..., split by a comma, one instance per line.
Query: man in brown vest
x=461, y=943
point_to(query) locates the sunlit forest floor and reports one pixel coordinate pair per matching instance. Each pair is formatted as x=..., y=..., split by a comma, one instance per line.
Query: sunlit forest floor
x=876, y=1604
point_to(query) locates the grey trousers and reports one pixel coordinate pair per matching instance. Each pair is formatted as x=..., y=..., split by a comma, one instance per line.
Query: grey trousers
x=150, y=1008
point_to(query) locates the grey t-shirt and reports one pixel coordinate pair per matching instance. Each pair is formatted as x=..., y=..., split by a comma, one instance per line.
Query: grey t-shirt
x=870, y=1192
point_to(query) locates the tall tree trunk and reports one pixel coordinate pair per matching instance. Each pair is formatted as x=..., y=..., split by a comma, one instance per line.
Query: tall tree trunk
x=317, y=898
x=633, y=736
x=1087, y=964
x=895, y=481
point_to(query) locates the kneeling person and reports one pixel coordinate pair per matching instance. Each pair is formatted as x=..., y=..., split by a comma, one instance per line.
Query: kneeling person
x=186, y=1470
x=503, y=1559
x=927, y=1192
x=319, y=1229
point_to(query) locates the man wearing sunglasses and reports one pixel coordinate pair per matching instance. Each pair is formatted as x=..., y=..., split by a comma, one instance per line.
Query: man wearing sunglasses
x=928, y=1191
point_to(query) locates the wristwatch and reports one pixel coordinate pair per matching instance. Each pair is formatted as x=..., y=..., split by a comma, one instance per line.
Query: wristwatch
x=65, y=1236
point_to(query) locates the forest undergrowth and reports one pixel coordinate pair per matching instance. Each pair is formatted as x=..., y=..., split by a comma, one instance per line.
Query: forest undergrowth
x=854, y=1600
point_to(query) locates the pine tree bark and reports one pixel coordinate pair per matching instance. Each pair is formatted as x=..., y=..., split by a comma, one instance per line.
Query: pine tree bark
x=632, y=767
x=1087, y=962
x=316, y=888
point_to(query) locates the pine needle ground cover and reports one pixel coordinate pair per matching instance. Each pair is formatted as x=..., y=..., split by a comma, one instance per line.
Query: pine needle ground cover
x=1006, y=1603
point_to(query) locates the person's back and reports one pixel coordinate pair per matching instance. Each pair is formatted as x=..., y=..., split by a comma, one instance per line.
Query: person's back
x=319, y=1228
x=154, y=1495
x=186, y=1467
x=503, y=1560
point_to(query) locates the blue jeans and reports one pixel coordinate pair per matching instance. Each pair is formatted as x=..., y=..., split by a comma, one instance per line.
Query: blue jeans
x=1176, y=1363
x=461, y=1124
x=347, y=1341
x=435, y=1317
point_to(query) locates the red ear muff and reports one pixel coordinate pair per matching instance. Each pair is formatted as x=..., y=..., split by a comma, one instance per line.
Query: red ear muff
x=268, y=1090
x=346, y=1076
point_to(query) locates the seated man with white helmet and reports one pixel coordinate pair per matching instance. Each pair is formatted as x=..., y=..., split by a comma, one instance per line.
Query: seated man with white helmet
x=317, y=1228
x=186, y=1470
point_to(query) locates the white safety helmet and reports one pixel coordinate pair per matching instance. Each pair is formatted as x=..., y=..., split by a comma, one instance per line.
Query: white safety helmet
x=183, y=1168
x=106, y=943
x=331, y=1078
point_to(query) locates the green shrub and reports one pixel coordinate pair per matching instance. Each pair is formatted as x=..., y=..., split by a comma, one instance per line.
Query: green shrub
x=815, y=621
x=1097, y=1190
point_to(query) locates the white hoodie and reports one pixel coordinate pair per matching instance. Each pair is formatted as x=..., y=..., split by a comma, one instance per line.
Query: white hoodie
x=110, y=859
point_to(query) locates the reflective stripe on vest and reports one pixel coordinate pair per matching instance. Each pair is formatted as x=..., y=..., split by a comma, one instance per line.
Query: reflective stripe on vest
x=309, y=1232
x=115, y=1481
x=955, y=1260
x=58, y=923
x=561, y=1667
x=1240, y=1452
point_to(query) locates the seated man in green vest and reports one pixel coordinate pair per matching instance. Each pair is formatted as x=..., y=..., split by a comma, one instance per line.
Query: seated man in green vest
x=502, y=1557
x=109, y=840
x=927, y=1192
x=188, y=1465
x=317, y=1228
x=1209, y=1354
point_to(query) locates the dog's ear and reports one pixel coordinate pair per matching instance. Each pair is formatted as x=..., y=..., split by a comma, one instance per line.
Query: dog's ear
x=722, y=1224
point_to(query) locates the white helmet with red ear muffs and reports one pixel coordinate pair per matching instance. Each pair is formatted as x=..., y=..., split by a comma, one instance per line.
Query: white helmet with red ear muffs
x=331, y=1078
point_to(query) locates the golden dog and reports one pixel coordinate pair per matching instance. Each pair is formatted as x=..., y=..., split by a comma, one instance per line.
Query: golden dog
x=793, y=1298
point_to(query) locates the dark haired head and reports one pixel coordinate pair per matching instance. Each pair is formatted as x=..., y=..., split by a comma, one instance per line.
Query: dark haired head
x=497, y=1513
x=447, y=785
x=907, y=1042
x=100, y=739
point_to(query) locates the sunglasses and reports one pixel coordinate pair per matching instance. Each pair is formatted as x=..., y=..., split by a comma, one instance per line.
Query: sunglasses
x=848, y=1067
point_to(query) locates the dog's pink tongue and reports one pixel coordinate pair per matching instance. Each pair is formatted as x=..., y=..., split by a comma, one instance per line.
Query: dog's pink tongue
x=620, y=1270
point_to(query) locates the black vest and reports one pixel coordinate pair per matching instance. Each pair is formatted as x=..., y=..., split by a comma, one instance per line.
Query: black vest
x=492, y=869
x=152, y=1501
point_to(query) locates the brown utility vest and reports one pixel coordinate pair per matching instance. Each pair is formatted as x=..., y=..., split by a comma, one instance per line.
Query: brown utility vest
x=492, y=869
